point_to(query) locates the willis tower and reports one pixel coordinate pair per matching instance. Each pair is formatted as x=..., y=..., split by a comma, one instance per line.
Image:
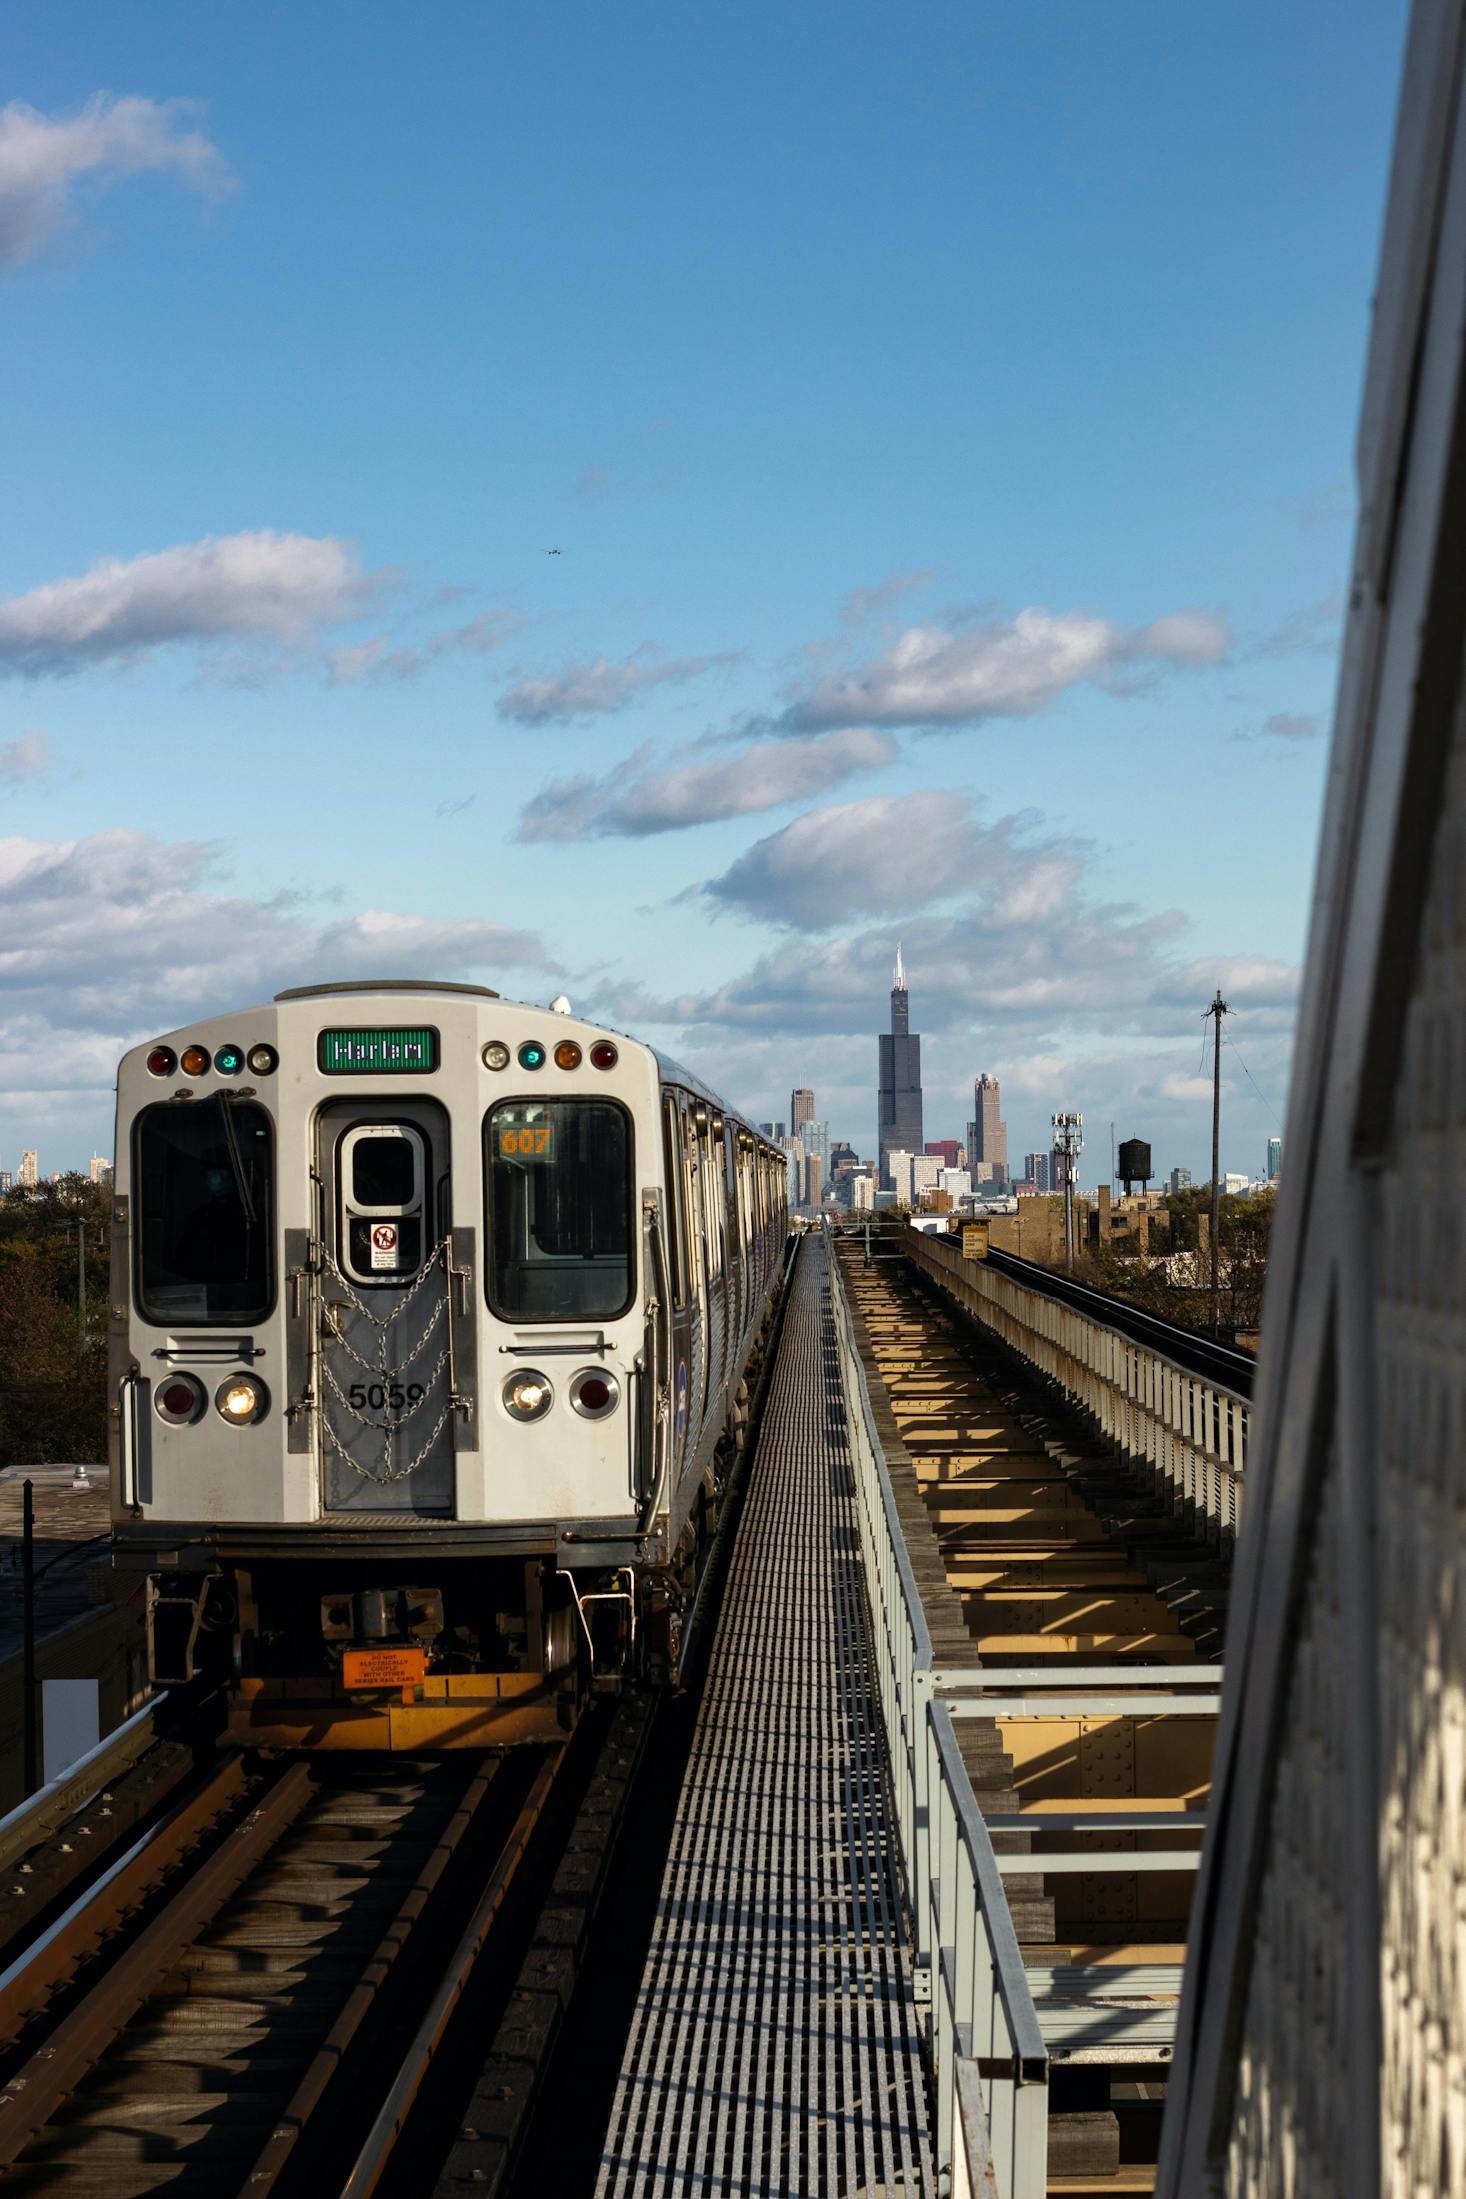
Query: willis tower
x=900, y=1087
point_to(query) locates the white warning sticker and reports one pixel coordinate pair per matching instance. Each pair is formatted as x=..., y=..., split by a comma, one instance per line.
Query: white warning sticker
x=384, y=1244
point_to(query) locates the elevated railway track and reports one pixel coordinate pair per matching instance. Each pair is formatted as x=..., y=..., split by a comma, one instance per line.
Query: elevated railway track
x=1064, y=1727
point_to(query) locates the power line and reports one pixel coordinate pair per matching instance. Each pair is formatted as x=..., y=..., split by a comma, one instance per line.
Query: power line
x=1257, y=1088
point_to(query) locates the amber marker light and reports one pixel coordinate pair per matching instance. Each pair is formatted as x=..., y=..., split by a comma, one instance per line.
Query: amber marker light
x=603, y=1055
x=194, y=1061
x=567, y=1054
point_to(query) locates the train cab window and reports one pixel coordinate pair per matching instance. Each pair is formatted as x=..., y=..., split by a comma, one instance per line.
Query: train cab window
x=205, y=1178
x=558, y=1176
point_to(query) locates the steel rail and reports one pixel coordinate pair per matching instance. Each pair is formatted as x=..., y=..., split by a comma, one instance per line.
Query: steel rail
x=1219, y=1363
x=332, y=2052
x=100, y=1909
x=387, y=2127
x=42, y=1814
x=59, y=2064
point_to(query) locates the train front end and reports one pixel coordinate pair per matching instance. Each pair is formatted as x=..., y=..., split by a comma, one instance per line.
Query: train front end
x=385, y=1384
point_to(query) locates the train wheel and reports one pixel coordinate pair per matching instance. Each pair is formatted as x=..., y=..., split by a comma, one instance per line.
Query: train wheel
x=562, y=1639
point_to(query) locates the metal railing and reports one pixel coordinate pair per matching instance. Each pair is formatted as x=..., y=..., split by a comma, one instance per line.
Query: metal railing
x=986, y=2047
x=1190, y=1428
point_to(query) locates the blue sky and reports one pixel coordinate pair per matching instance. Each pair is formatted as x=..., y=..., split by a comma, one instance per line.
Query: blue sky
x=944, y=416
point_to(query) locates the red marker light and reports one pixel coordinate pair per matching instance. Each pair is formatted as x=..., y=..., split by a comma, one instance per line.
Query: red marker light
x=594, y=1393
x=179, y=1400
x=162, y=1061
x=603, y=1054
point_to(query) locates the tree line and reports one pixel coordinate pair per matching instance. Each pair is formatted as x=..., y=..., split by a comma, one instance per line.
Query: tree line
x=54, y=1242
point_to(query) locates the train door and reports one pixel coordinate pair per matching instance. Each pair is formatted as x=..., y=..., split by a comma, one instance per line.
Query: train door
x=386, y=1387
x=681, y=1256
x=697, y=1253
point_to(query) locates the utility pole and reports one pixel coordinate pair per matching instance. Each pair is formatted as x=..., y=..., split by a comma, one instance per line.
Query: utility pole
x=1215, y=1012
x=81, y=1285
x=1068, y=1144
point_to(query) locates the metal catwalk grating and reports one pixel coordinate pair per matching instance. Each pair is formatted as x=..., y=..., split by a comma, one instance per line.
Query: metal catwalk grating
x=775, y=2048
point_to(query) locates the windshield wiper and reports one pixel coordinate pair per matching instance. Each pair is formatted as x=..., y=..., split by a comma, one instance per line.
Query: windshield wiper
x=236, y=1160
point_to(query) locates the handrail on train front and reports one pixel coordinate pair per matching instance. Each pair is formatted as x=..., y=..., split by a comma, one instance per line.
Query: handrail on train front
x=988, y=2056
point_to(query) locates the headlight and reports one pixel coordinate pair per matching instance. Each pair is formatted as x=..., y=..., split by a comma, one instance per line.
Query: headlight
x=496, y=1054
x=593, y=1392
x=240, y=1400
x=262, y=1060
x=528, y=1395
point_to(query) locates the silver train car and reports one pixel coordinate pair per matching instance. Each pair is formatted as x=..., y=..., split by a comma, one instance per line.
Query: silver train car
x=432, y=1321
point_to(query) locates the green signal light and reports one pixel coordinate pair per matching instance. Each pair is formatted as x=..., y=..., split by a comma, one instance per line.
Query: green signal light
x=531, y=1055
x=229, y=1060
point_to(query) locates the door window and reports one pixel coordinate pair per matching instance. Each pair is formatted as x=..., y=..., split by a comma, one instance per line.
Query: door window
x=382, y=1170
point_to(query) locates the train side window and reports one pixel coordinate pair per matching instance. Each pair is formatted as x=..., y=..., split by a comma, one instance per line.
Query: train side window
x=206, y=1220
x=676, y=1200
x=708, y=1202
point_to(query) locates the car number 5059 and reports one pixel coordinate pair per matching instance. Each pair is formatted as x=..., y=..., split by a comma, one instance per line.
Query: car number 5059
x=379, y=1397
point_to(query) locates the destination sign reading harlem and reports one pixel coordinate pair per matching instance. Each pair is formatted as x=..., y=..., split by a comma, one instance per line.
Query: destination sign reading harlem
x=387, y=1050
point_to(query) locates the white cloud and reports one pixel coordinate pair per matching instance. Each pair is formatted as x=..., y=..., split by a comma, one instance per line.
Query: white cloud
x=1181, y=637
x=633, y=800
x=1248, y=982
x=891, y=853
x=1014, y=667
x=382, y=659
x=602, y=686
x=121, y=932
x=1289, y=725
x=250, y=587
x=1311, y=631
x=43, y=158
x=867, y=603
x=25, y=758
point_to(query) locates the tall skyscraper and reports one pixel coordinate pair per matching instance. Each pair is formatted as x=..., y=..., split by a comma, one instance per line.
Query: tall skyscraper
x=1274, y=1159
x=1036, y=1169
x=801, y=1108
x=899, y=1099
x=30, y=1167
x=987, y=1133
